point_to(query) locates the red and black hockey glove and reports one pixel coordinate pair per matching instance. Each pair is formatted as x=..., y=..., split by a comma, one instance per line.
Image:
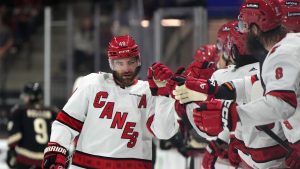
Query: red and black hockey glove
x=161, y=72
x=214, y=149
x=233, y=155
x=293, y=160
x=156, y=88
x=202, y=85
x=200, y=70
x=180, y=109
x=175, y=80
x=55, y=157
x=214, y=116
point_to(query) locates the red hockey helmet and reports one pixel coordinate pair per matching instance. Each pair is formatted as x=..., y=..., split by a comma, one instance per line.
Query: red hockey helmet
x=207, y=53
x=291, y=14
x=122, y=47
x=222, y=34
x=266, y=14
x=237, y=39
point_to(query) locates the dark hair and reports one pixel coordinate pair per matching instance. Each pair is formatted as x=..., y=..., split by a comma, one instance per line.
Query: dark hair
x=274, y=35
x=242, y=60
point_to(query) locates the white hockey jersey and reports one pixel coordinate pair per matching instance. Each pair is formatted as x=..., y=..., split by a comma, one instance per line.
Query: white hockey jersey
x=259, y=150
x=114, y=124
x=281, y=76
x=221, y=76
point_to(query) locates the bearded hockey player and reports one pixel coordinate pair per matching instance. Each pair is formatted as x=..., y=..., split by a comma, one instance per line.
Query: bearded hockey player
x=113, y=114
x=279, y=75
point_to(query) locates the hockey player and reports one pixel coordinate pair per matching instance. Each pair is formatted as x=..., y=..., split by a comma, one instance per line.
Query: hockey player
x=244, y=65
x=113, y=114
x=280, y=73
x=221, y=36
x=291, y=14
x=29, y=129
x=187, y=142
x=291, y=20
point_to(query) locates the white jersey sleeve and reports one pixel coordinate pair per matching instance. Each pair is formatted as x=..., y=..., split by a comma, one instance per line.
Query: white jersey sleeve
x=242, y=88
x=165, y=123
x=291, y=126
x=76, y=108
x=281, y=76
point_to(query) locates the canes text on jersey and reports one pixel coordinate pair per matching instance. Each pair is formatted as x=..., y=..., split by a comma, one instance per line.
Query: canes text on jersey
x=119, y=118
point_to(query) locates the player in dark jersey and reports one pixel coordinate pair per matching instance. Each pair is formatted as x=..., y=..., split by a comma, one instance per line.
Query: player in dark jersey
x=29, y=129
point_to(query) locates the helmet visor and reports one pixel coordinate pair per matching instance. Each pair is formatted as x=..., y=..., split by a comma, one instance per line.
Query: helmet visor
x=243, y=26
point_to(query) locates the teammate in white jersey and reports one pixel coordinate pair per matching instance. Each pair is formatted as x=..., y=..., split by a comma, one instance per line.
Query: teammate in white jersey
x=221, y=37
x=280, y=73
x=113, y=114
x=245, y=65
x=186, y=140
x=291, y=14
x=291, y=20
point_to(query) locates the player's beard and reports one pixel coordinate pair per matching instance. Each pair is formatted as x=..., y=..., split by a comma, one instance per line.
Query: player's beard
x=254, y=45
x=127, y=78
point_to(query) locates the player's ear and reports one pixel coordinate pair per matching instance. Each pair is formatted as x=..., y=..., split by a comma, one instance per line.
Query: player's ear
x=254, y=29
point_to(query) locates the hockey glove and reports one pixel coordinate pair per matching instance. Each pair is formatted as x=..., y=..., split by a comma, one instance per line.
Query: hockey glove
x=180, y=109
x=214, y=116
x=11, y=158
x=186, y=95
x=200, y=70
x=161, y=72
x=292, y=161
x=195, y=90
x=55, y=157
x=214, y=149
x=175, y=80
x=201, y=85
x=233, y=155
x=157, y=88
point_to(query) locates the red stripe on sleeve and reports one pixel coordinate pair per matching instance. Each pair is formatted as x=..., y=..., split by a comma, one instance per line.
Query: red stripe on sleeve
x=254, y=78
x=69, y=121
x=149, y=123
x=287, y=96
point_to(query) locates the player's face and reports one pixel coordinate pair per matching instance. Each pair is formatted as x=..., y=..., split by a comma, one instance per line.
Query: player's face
x=221, y=63
x=125, y=70
x=254, y=45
